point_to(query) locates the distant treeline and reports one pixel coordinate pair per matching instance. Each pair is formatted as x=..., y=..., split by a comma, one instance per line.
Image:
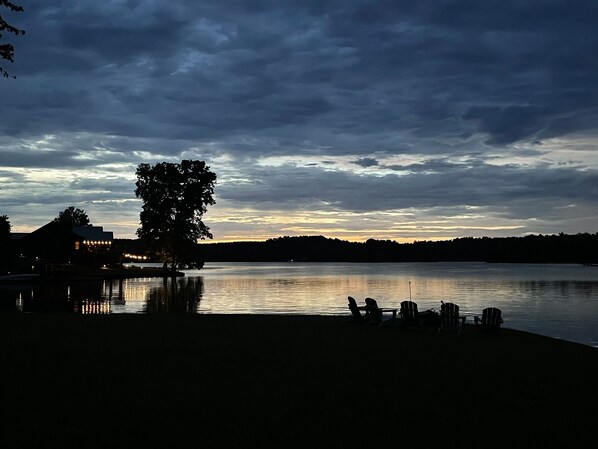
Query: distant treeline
x=579, y=248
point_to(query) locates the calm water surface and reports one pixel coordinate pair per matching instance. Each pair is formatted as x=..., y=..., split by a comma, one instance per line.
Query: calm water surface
x=555, y=300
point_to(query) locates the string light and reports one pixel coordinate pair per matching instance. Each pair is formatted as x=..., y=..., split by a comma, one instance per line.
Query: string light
x=135, y=257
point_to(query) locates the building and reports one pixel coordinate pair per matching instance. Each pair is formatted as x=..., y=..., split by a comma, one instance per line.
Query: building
x=61, y=242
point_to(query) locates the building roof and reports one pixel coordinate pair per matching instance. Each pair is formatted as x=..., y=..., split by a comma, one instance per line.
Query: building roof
x=95, y=233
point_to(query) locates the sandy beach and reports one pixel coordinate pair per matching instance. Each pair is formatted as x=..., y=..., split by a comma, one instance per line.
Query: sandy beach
x=177, y=380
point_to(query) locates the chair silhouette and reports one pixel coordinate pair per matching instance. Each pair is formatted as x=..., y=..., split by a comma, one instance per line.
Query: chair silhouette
x=356, y=311
x=410, y=314
x=490, y=321
x=374, y=313
x=450, y=321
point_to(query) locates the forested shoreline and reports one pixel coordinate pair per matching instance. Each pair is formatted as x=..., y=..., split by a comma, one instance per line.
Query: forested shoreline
x=561, y=248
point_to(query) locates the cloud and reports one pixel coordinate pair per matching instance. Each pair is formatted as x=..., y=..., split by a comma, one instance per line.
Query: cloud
x=216, y=70
x=413, y=91
x=366, y=162
x=428, y=185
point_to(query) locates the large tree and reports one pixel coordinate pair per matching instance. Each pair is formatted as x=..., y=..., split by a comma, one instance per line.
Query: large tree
x=74, y=215
x=7, y=51
x=175, y=197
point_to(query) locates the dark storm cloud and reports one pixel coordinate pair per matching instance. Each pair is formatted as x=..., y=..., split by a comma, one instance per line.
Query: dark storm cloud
x=366, y=162
x=293, y=70
x=118, y=187
x=37, y=159
x=437, y=184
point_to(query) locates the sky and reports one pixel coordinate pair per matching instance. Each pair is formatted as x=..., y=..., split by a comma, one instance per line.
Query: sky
x=401, y=120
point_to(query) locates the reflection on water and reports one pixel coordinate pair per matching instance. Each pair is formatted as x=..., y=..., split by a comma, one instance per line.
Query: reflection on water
x=556, y=300
x=175, y=295
x=139, y=295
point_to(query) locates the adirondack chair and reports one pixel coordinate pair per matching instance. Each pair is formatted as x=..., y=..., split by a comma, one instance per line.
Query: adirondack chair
x=490, y=321
x=375, y=314
x=450, y=321
x=409, y=314
x=356, y=311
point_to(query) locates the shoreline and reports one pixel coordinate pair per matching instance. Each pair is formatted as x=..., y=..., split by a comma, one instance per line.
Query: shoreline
x=295, y=380
x=82, y=274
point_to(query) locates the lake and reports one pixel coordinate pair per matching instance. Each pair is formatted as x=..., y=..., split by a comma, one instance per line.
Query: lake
x=550, y=299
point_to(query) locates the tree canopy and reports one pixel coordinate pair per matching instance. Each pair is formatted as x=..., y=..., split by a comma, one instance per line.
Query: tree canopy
x=175, y=197
x=78, y=217
x=7, y=50
x=4, y=227
x=6, y=249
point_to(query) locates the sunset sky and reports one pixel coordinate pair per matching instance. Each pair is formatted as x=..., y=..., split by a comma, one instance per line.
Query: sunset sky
x=401, y=120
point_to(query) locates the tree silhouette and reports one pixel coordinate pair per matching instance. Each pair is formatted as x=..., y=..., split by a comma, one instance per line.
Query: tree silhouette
x=175, y=197
x=6, y=248
x=562, y=248
x=74, y=215
x=7, y=50
x=4, y=228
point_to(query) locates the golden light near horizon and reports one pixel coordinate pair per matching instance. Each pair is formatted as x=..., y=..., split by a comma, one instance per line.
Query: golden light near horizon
x=251, y=224
x=231, y=221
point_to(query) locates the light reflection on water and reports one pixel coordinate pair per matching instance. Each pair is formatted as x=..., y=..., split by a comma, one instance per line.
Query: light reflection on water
x=555, y=300
x=137, y=295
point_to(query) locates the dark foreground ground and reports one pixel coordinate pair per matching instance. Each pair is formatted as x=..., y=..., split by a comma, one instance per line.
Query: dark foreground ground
x=286, y=381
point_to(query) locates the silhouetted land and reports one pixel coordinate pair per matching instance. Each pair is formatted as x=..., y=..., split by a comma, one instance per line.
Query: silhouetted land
x=579, y=248
x=179, y=380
